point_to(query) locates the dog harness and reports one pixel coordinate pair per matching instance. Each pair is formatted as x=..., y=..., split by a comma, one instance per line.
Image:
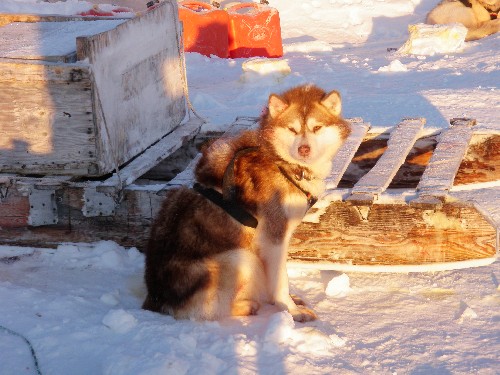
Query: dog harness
x=230, y=206
x=227, y=200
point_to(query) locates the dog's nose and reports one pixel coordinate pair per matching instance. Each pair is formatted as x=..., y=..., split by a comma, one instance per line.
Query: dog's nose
x=304, y=150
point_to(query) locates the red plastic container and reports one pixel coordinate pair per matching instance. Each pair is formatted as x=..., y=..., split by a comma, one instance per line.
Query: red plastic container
x=254, y=30
x=205, y=28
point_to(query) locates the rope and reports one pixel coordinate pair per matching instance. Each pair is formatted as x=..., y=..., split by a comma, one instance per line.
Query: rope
x=33, y=354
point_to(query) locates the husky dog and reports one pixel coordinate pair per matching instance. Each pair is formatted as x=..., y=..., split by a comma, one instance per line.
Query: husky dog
x=478, y=16
x=210, y=257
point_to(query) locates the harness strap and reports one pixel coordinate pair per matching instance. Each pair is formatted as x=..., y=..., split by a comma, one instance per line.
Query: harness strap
x=228, y=187
x=230, y=206
x=227, y=200
x=311, y=199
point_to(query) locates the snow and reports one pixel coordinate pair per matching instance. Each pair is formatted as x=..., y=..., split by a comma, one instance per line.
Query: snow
x=444, y=322
x=80, y=304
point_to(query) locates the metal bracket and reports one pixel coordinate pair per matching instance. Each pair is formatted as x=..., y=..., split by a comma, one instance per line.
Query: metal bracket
x=43, y=207
x=96, y=203
x=5, y=183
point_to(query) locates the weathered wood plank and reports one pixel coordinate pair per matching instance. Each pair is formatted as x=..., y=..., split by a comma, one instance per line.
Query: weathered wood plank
x=452, y=145
x=40, y=71
x=346, y=152
x=152, y=156
x=6, y=18
x=46, y=125
x=385, y=234
x=129, y=226
x=48, y=41
x=377, y=180
x=139, y=95
x=88, y=117
x=395, y=235
x=185, y=178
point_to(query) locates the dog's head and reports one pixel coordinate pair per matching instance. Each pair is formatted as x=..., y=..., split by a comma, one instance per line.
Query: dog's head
x=304, y=125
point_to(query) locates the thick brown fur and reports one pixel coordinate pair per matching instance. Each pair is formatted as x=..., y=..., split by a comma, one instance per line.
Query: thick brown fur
x=475, y=15
x=200, y=262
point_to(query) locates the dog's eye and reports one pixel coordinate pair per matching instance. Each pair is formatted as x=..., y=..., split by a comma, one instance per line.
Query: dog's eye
x=293, y=130
x=316, y=129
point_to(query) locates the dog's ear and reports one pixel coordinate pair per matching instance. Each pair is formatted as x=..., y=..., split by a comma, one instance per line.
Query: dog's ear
x=332, y=102
x=276, y=105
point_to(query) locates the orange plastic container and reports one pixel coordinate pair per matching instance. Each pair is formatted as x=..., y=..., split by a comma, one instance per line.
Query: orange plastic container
x=254, y=30
x=205, y=28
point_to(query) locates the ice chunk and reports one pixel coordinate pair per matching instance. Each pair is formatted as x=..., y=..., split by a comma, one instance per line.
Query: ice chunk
x=394, y=66
x=255, y=68
x=338, y=287
x=431, y=39
x=111, y=299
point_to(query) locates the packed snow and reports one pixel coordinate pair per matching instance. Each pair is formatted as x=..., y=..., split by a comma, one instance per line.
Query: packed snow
x=80, y=305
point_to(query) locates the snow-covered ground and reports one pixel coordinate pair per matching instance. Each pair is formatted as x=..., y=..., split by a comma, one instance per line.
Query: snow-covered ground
x=79, y=305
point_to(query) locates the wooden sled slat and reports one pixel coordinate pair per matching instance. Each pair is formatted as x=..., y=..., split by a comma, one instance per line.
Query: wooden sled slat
x=151, y=157
x=438, y=177
x=380, y=176
x=347, y=151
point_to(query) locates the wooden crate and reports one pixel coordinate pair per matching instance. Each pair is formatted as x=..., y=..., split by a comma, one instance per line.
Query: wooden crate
x=80, y=97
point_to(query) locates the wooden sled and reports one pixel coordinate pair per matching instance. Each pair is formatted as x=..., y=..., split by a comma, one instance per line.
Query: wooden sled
x=371, y=227
x=374, y=222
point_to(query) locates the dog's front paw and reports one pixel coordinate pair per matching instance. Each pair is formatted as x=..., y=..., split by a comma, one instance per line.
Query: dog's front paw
x=303, y=314
x=297, y=300
x=244, y=308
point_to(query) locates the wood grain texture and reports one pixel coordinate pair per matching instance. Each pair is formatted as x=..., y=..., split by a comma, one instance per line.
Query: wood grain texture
x=382, y=234
x=452, y=145
x=6, y=18
x=129, y=226
x=400, y=143
x=346, y=152
x=395, y=234
x=138, y=88
x=46, y=120
x=90, y=117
